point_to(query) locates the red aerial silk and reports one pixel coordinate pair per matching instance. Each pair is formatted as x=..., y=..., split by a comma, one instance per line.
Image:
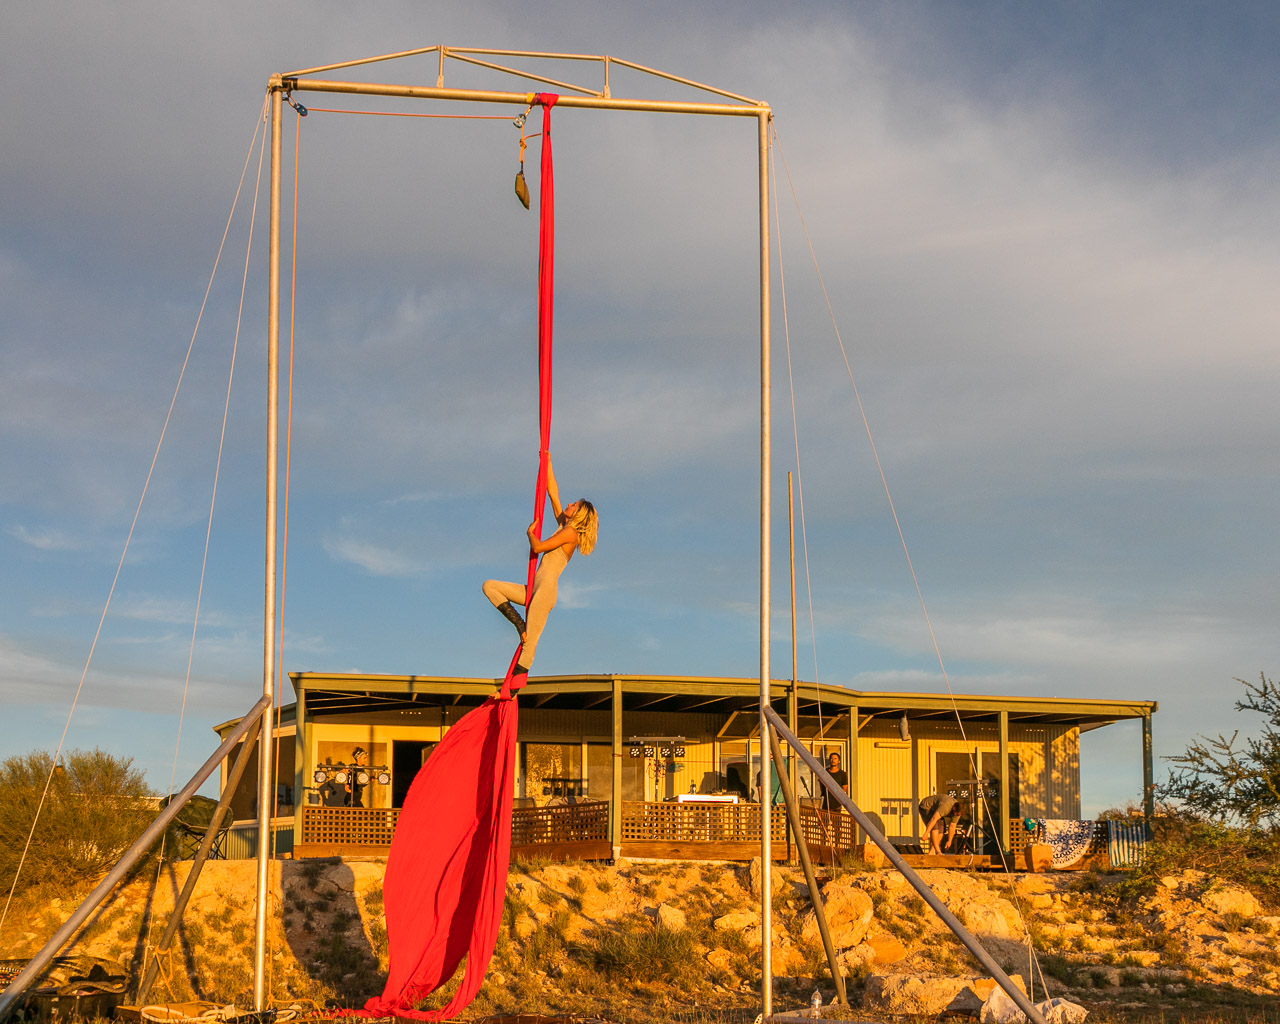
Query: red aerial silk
x=447, y=871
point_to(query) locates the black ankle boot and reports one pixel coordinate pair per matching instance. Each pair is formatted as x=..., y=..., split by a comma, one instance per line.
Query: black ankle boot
x=513, y=617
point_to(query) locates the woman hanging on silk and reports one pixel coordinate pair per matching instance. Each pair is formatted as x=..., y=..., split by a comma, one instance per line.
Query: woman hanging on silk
x=578, y=523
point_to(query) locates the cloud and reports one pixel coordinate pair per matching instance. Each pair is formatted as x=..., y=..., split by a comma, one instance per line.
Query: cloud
x=374, y=559
x=44, y=539
x=574, y=595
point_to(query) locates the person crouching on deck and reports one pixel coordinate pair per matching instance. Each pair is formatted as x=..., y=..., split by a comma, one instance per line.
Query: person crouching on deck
x=578, y=524
x=940, y=812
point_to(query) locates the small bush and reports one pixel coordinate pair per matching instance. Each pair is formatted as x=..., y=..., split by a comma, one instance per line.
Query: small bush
x=641, y=953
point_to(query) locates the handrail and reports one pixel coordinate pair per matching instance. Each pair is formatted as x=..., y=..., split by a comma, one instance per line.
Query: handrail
x=60, y=938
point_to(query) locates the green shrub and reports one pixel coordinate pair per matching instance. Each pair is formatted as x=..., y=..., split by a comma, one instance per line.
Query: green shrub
x=1244, y=857
x=92, y=808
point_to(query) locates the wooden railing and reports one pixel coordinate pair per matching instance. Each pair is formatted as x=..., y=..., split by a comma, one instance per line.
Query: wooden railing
x=571, y=832
x=699, y=831
x=578, y=831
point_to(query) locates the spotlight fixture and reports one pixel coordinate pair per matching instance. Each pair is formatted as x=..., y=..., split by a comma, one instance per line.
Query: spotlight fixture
x=342, y=774
x=903, y=729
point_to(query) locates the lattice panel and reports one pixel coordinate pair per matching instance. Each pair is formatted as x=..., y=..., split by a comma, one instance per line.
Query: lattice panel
x=531, y=826
x=1018, y=838
x=829, y=831
x=349, y=826
x=693, y=823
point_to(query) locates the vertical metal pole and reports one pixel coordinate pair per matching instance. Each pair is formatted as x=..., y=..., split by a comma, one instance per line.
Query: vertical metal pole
x=851, y=765
x=766, y=809
x=793, y=701
x=1148, y=775
x=301, y=770
x=1006, y=787
x=615, y=791
x=266, y=789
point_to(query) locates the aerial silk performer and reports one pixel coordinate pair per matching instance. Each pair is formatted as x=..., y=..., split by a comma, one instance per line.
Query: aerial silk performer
x=447, y=871
x=578, y=526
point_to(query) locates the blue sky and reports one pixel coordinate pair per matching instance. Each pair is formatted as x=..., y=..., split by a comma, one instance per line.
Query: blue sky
x=1048, y=233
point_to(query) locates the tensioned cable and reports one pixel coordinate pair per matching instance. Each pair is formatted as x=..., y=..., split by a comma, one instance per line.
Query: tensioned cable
x=795, y=432
x=896, y=522
x=213, y=496
x=401, y=113
x=137, y=512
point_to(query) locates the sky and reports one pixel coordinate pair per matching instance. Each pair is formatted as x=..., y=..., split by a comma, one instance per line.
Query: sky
x=1047, y=233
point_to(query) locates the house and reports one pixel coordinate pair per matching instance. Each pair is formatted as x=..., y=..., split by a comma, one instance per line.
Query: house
x=637, y=765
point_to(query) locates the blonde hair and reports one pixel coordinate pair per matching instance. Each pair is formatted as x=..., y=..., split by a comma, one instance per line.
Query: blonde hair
x=586, y=522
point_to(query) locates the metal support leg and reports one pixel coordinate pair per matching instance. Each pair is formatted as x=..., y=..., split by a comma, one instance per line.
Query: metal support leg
x=895, y=858
x=819, y=910
x=197, y=864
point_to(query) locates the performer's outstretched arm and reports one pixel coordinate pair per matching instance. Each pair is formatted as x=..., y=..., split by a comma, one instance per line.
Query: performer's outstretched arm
x=553, y=492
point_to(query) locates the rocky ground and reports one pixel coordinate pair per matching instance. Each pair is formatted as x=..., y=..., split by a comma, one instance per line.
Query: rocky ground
x=639, y=942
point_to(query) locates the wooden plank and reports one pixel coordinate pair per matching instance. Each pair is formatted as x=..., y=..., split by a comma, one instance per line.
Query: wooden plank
x=587, y=850
x=304, y=850
x=979, y=861
x=743, y=851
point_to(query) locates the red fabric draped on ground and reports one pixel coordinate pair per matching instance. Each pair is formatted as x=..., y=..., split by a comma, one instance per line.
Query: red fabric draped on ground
x=447, y=871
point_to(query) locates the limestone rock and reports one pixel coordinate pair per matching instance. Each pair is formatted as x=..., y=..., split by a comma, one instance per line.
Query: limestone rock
x=1228, y=899
x=736, y=921
x=911, y=994
x=671, y=918
x=853, y=960
x=984, y=919
x=908, y=994
x=754, y=877
x=885, y=948
x=788, y=961
x=720, y=960
x=848, y=911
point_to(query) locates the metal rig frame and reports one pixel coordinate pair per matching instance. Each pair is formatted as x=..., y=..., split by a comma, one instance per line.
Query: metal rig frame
x=570, y=95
